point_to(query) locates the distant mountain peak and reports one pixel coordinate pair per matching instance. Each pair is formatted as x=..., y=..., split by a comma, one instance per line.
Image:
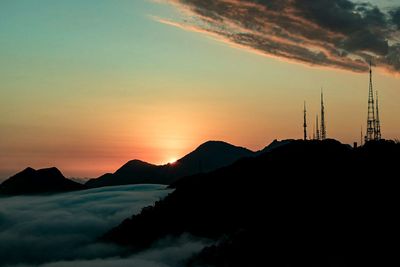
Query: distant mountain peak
x=49, y=169
x=53, y=170
x=28, y=170
x=275, y=144
x=216, y=144
x=208, y=156
x=31, y=181
x=217, y=149
x=137, y=162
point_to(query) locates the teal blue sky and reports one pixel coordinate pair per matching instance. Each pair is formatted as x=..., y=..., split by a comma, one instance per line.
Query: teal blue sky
x=87, y=85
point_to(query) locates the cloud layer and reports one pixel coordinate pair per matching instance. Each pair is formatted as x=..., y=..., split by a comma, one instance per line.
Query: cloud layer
x=331, y=33
x=170, y=252
x=60, y=230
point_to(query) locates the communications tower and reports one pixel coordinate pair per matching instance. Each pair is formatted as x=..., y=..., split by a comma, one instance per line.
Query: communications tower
x=305, y=122
x=323, y=127
x=378, y=134
x=371, y=130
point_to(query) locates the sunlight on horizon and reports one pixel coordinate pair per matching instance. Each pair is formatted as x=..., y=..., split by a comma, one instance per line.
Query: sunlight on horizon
x=172, y=161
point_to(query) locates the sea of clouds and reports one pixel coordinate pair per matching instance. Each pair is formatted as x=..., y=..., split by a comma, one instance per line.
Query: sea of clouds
x=62, y=229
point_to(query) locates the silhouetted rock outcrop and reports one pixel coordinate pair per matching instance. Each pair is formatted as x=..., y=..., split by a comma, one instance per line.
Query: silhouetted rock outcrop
x=31, y=181
x=207, y=157
x=305, y=203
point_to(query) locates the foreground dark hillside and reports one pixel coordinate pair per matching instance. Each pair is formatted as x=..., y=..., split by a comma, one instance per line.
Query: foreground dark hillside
x=306, y=203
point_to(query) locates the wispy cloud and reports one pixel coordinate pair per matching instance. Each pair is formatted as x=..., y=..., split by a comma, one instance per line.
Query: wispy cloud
x=169, y=252
x=331, y=33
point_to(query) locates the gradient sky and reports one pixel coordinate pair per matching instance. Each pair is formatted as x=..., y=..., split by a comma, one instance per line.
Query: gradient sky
x=88, y=85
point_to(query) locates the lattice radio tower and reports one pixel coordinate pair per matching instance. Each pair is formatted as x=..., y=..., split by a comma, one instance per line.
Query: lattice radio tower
x=371, y=130
x=378, y=134
x=305, y=121
x=323, y=127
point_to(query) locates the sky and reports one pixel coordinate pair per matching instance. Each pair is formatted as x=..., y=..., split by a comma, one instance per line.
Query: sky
x=88, y=85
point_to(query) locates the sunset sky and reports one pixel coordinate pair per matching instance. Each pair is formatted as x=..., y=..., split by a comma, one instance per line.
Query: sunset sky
x=86, y=85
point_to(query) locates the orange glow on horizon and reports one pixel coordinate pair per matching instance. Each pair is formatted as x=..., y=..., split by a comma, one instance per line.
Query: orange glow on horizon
x=172, y=161
x=112, y=99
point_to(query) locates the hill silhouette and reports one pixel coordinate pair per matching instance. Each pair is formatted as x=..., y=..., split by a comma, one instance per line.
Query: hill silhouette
x=305, y=203
x=207, y=157
x=31, y=181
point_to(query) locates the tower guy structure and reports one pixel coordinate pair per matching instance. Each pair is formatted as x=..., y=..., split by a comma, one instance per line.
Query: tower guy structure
x=305, y=122
x=373, y=121
x=323, y=127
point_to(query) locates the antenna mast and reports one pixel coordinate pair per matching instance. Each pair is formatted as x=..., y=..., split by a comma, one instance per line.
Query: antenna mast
x=313, y=132
x=361, y=139
x=378, y=134
x=305, y=121
x=371, y=130
x=323, y=127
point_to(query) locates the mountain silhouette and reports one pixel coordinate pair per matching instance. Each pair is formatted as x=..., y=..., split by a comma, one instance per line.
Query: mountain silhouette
x=275, y=144
x=31, y=181
x=304, y=203
x=207, y=157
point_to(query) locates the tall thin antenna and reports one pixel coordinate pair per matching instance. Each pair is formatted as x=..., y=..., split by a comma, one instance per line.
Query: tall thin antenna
x=305, y=121
x=323, y=127
x=378, y=134
x=371, y=130
x=318, y=134
x=313, y=132
x=362, y=136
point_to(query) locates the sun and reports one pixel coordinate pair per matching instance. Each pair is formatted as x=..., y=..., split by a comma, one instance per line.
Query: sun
x=172, y=161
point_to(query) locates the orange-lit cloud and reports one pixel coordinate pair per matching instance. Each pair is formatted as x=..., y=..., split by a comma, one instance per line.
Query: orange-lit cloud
x=330, y=33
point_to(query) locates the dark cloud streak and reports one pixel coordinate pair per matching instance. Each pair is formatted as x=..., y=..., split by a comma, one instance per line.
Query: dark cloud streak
x=395, y=17
x=332, y=33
